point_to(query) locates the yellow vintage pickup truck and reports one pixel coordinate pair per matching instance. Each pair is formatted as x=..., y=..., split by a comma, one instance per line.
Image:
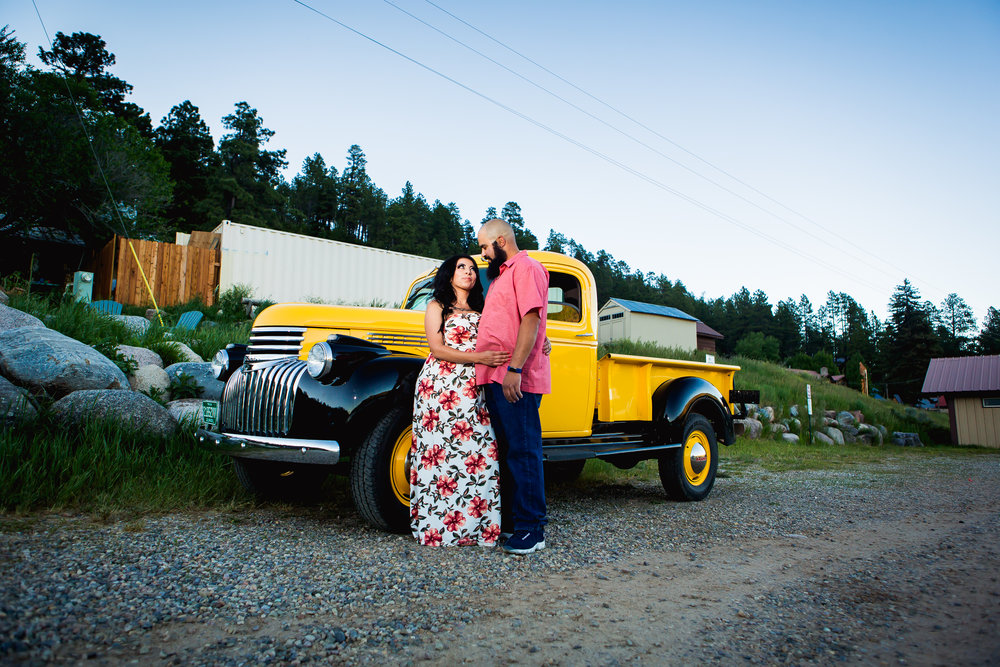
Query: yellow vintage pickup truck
x=324, y=388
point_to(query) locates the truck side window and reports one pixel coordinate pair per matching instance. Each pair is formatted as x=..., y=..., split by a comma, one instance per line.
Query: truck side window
x=564, y=298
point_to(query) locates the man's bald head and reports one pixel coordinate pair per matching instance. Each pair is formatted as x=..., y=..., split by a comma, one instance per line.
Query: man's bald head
x=495, y=229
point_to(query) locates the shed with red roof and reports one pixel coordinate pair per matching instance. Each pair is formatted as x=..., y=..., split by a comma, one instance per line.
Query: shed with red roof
x=971, y=386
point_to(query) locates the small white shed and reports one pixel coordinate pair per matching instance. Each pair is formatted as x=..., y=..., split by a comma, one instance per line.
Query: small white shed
x=634, y=320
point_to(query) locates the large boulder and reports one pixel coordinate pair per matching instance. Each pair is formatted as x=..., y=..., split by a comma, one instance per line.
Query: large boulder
x=4, y=299
x=15, y=402
x=906, y=439
x=186, y=409
x=140, y=355
x=134, y=323
x=794, y=411
x=185, y=353
x=201, y=373
x=128, y=408
x=765, y=414
x=12, y=318
x=790, y=438
x=44, y=360
x=822, y=438
x=752, y=428
x=779, y=428
x=845, y=418
x=150, y=378
x=835, y=435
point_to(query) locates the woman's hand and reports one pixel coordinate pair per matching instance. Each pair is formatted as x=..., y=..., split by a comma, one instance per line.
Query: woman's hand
x=493, y=357
x=546, y=346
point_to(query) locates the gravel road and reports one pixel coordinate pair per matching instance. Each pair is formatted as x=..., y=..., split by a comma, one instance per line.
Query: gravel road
x=894, y=563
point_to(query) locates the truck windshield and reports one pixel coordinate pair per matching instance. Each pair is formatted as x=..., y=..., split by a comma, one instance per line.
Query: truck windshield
x=424, y=290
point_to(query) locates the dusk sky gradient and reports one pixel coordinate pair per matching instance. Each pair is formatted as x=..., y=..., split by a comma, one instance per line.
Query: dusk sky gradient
x=791, y=147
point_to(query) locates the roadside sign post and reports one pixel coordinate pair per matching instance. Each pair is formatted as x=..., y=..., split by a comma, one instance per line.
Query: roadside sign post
x=809, y=409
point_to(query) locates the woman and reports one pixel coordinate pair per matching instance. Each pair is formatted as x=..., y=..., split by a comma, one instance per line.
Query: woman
x=454, y=468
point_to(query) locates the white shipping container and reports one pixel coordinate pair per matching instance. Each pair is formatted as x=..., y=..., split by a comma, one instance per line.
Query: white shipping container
x=283, y=267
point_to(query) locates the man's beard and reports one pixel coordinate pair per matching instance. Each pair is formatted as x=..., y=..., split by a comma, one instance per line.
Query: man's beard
x=499, y=257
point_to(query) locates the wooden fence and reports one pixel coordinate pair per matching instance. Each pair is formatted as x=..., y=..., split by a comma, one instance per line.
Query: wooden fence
x=176, y=273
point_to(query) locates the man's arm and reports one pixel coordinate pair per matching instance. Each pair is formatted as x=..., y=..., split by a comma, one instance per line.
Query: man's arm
x=527, y=333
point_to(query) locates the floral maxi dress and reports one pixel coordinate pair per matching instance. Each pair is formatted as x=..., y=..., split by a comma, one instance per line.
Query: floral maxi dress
x=454, y=467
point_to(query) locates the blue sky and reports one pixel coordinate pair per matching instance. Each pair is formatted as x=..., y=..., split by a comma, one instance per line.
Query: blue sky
x=792, y=147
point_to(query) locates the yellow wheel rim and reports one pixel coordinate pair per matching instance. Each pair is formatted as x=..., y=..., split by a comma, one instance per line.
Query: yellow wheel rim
x=697, y=458
x=399, y=472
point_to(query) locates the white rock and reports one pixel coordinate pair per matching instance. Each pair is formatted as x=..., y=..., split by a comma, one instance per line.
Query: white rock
x=150, y=377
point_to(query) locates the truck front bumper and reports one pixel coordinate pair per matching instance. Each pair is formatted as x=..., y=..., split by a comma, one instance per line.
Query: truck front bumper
x=287, y=450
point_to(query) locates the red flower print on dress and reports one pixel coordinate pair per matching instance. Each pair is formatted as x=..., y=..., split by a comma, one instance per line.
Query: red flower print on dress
x=477, y=507
x=425, y=388
x=445, y=368
x=432, y=537
x=493, y=452
x=446, y=485
x=459, y=335
x=462, y=430
x=471, y=390
x=491, y=533
x=453, y=521
x=433, y=457
x=413, y=475
x=475, y=463
x=430, y=420
x=449, y=399
x=484, y=416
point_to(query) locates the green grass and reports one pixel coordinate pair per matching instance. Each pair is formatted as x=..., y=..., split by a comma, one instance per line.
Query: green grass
x=104, y=468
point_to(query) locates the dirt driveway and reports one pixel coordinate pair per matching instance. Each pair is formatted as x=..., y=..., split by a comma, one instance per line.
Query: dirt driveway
x=894, y=563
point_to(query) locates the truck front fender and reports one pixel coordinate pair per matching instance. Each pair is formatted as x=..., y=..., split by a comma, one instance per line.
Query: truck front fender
x=674, y=400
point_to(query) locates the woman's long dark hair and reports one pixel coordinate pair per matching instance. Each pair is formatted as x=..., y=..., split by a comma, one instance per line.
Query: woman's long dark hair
x=444, y=293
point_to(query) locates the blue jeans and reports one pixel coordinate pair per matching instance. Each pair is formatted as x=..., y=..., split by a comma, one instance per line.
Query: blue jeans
x=519, y=434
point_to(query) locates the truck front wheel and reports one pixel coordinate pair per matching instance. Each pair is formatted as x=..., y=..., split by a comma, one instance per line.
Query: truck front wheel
x=688, y=472
x=380, y=473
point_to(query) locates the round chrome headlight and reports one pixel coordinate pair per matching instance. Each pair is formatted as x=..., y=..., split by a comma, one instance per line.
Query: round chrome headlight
x=320, y=360
x=220, y=363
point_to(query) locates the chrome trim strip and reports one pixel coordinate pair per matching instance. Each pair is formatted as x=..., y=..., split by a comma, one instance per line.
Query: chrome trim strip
x=288, y=450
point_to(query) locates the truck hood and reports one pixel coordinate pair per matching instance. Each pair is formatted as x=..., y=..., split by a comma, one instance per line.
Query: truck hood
x=401, y=330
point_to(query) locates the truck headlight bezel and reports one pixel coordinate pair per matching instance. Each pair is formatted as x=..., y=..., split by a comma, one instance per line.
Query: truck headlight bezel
x=220, y=364
x=320, y=360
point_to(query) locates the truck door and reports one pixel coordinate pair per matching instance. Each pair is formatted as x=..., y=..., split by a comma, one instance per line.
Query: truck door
x=569, y=409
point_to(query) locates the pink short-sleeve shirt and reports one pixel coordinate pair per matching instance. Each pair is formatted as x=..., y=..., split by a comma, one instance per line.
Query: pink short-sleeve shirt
x=522, y=286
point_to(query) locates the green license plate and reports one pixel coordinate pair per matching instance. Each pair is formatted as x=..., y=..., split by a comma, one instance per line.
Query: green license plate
x=210, y=415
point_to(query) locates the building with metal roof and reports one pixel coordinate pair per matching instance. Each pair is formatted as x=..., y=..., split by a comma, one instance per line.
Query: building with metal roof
x=638, y=321
x=971, y=387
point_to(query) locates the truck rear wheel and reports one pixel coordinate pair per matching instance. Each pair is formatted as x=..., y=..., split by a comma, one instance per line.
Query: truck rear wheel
x=688, y=472
x=380, y=473
x=274, y=480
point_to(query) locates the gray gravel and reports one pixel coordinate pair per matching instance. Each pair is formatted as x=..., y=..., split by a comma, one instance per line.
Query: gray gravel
x=299, y=584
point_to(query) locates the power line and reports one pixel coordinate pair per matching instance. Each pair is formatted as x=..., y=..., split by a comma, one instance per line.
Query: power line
x=834, y=234
x=592, y=151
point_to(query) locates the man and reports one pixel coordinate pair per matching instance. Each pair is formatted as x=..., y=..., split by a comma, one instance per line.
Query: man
x=514, y=319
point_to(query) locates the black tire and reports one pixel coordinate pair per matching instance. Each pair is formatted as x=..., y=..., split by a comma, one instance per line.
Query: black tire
x=380, y=481
x=563, y=472
x=274, y=480
x=688, y=472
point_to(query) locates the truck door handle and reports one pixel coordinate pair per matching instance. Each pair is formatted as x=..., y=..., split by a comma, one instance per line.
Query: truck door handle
x=585, y=335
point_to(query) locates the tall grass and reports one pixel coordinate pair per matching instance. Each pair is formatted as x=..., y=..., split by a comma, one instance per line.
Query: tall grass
x=104, y=467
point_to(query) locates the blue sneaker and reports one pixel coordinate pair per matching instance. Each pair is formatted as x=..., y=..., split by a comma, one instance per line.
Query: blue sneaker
x=525, y=542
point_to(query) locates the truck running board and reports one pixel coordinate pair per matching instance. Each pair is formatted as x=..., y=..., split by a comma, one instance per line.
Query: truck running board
x=607, y=444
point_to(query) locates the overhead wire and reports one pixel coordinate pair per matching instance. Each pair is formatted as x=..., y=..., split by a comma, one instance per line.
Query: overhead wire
x=100, y=168
x=653, y=131
x=591, y=150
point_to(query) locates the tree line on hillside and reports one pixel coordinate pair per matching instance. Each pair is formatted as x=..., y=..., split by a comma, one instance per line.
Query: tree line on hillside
x=176, y=177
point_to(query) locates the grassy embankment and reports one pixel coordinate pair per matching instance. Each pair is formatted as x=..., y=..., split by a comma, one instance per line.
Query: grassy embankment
x=105, y=469
x=782, y=389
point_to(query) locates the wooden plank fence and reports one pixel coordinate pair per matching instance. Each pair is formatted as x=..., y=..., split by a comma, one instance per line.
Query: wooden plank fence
x=176, y=273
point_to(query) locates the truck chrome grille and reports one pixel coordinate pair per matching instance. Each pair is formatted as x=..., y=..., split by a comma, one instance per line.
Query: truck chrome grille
x=260, y=400
x=275, y=342
x=398, y=339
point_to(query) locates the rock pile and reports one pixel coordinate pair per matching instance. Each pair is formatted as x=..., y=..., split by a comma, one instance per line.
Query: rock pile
x=834, y=428
x=39, y=364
